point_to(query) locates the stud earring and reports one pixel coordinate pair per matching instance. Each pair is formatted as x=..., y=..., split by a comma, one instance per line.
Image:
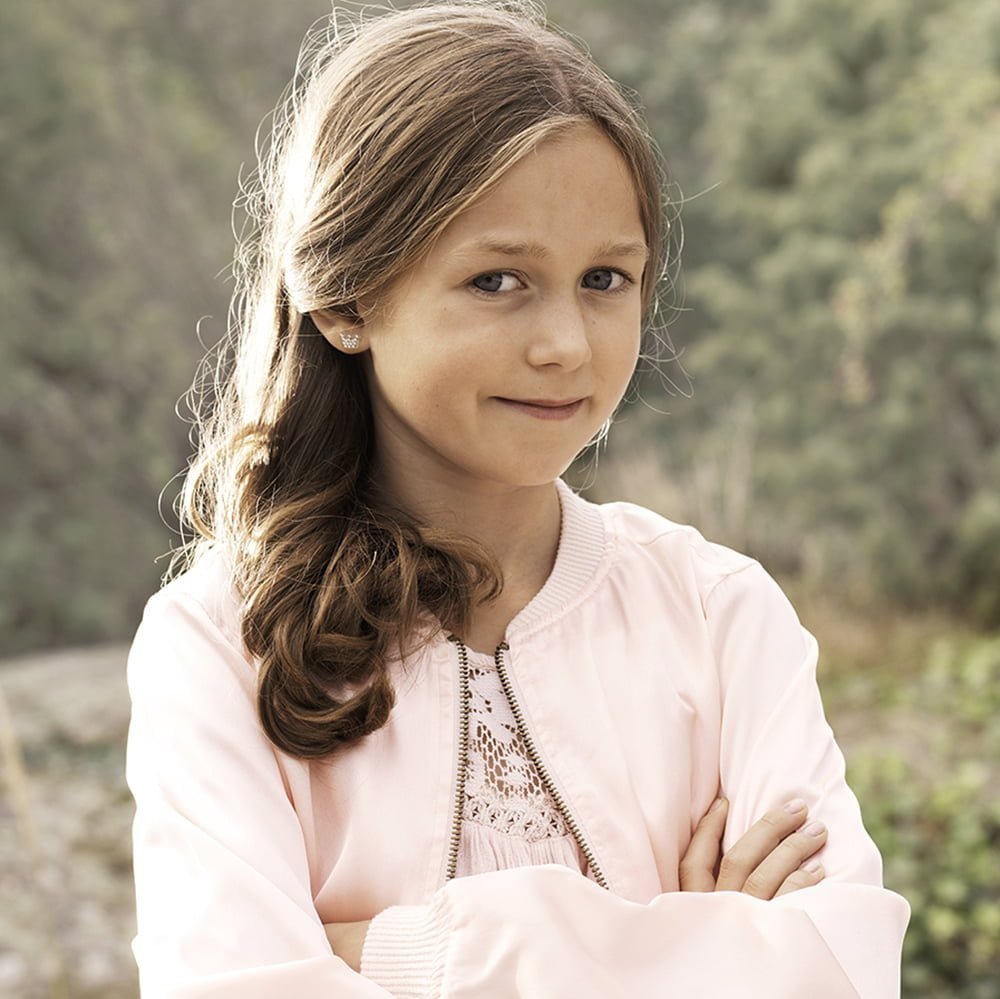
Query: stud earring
x=350, y=340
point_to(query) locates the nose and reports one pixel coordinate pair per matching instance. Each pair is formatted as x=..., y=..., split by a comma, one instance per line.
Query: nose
x=559, y=335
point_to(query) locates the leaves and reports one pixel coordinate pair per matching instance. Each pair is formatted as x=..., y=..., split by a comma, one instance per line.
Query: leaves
x=935, y=814
x=126, y=136
x=843, y=277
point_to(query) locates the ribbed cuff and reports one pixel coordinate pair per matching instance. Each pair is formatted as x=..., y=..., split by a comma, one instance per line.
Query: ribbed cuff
x=404, y=950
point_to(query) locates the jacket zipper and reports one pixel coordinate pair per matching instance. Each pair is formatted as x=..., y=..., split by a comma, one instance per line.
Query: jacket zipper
x=463, y=758
x=529, y=743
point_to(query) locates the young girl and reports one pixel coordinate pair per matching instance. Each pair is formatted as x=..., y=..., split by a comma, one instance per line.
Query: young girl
x=416, y=719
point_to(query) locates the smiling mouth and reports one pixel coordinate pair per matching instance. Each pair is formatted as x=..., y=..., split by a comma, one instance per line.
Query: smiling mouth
x=544, y=409
x=545, y=403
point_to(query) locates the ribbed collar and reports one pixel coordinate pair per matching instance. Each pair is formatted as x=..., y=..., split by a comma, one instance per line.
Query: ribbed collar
x=581, y=549
x=583, y=544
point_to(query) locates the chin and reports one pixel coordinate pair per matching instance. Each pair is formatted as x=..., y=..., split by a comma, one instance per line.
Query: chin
x=536, y=476
x=524, y=467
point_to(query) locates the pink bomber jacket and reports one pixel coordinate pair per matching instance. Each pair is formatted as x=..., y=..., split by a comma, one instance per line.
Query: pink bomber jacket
x=652, y=671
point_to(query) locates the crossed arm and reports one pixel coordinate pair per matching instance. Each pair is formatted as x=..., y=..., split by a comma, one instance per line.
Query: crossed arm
x=223, y=895
x=769, y=860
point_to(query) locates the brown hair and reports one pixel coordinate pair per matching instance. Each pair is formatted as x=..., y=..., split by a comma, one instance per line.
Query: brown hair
x=391, y=128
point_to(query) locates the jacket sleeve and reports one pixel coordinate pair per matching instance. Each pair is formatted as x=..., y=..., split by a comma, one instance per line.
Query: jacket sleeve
x=223, y=902
x=548, y=931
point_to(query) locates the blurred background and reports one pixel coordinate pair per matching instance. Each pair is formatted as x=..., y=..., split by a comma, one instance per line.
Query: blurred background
x=835, y=408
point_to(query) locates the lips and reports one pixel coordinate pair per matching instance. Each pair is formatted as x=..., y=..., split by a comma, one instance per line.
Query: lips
x=546, y=403
x=544, y=409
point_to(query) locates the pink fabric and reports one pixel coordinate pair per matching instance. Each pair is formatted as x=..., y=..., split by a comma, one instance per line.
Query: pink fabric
x=653, y=669
x=509, y=819
x=483, y=850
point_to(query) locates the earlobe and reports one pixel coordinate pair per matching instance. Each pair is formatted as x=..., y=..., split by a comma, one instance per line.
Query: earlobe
x=339, y=330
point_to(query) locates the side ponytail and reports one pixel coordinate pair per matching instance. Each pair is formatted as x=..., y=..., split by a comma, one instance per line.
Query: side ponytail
x=334, y=582
x=342, y=581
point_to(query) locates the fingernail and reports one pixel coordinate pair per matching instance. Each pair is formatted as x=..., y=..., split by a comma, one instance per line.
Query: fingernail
x=813, y=867
x=795, y=805
x=814, y=829
x=717, y=804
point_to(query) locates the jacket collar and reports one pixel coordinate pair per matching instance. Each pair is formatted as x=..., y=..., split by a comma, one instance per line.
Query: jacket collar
x=583, y=542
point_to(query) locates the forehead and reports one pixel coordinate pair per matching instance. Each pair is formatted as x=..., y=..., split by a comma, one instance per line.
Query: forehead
x=574, y=190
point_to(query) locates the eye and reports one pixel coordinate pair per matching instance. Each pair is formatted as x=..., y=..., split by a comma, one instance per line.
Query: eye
x=605, y=278
x=493, y=282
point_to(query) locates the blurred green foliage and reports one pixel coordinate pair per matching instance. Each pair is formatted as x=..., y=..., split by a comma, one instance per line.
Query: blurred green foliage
x=841, y=268
x=841, y=165
x=124, y=127
x=928, y=791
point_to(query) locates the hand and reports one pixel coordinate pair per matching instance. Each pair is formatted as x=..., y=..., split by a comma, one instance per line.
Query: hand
x=346, y=941
x=764, y=862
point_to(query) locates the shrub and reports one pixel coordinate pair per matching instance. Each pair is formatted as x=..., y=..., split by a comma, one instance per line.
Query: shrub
x=934, y=811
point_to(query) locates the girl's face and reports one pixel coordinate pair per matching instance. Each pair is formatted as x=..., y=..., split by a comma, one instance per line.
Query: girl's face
x=532, y=293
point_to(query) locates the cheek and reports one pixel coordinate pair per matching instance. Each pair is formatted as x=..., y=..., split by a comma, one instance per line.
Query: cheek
x=420, y=381
x=619, y=356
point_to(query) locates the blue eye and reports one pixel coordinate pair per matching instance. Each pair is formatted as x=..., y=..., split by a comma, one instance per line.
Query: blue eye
x=493, y=282
x=600, y=279
x=605, y=278
x=488, y=282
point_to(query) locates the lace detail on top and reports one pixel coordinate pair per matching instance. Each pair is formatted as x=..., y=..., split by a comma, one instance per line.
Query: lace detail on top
x=503, y=790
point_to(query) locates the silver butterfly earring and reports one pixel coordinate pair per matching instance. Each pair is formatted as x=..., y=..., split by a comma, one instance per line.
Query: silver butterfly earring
x=350, y=340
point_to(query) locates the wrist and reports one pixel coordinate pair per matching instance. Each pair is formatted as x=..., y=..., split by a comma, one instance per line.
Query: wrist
x=347, y=941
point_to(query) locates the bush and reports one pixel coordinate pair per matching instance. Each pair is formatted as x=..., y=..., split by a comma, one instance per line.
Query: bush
x=935, y=813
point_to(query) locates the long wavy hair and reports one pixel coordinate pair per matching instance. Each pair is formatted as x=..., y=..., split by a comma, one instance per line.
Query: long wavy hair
x=391, y=127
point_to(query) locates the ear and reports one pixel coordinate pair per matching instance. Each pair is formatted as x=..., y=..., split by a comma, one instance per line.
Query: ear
x=340, y=331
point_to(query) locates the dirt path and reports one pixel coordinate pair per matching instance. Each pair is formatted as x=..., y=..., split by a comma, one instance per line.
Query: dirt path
x=68, y=916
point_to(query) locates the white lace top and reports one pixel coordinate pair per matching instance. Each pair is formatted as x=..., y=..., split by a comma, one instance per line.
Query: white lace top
x=509, y=819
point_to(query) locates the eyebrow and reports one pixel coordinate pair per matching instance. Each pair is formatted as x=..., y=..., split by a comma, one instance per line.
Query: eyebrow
x=621, y=248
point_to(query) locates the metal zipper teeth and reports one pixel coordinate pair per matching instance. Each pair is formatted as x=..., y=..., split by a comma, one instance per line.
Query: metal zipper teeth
x=463, y=757
x=542, y=772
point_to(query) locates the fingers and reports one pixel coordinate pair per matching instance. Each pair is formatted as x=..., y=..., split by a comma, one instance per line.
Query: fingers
x=769, y=852
x=697, y=867
x=784, y=862
x=809, y=874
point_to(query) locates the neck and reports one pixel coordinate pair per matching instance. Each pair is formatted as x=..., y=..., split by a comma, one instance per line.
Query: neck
x=519, y=525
